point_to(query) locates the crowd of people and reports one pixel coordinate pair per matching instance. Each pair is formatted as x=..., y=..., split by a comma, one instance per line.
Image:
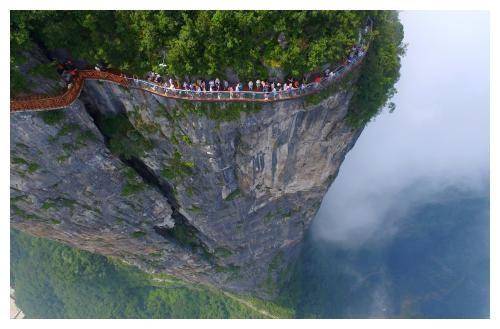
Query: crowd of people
x=273, y=85
x=215, y=85
x=68, y=71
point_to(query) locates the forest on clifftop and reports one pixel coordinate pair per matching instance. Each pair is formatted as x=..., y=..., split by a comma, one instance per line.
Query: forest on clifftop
x=250, y=44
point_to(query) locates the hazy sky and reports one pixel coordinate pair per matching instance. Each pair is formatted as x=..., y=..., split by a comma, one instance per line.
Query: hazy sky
x=439, y=132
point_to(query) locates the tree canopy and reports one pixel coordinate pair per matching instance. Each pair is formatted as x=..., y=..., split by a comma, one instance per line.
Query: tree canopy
x=55, y=281
x=215, y=43
x=195, y=43
x=380, y=71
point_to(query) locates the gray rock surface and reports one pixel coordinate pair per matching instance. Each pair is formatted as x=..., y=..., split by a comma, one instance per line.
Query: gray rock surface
x=223, y=198
x=37, y=83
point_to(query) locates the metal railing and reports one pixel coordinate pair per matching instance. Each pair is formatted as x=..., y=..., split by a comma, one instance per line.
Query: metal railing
x=244, y=96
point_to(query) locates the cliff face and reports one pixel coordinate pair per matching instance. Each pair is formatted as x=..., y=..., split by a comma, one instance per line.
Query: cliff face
x=216, y=194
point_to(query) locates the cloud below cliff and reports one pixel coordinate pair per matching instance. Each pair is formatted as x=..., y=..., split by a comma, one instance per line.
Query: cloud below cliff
x=437, y=138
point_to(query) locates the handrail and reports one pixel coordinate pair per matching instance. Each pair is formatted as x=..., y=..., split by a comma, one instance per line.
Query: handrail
x=244, y=95
x=35, y=103
x=66, y=99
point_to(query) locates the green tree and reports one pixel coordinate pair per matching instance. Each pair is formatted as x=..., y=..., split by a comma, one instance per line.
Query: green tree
x=55, y=281
x=209, y=43
x=380, y=71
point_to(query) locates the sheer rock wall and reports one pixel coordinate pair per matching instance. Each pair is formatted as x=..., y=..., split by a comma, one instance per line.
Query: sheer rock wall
x=217, y=198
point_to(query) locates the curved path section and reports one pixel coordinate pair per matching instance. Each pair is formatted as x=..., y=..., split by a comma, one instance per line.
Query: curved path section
x=66, y=99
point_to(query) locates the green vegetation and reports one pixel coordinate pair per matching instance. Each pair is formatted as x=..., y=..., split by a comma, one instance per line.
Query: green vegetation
x=270, y=284
x=46, y=70
x=138, y=234
x=272, y=308
x=195, y=209
x=269, y=216
x=14, y=199
x=187, y=140
x=65, y=202
x=124, y=140
x=62, y=158
x=223, y=252
x=374, y=86
x=80, y=137
x=18, y=82
x=280, y=213
x=22, y=213
x=380, y=70
x=31, y=167
x=233, y=195
x=219, y=112
x=207, y=43
x=187, y=236
x=194, y=43
x=77, y=284
x=150, y=127
x=52, y=117
x=342, y=85
x=184, y=235
x=67, y=129
x=189, y=191
x=232, y=269
x=316, y=98
x=285, y=214
x=48, y=204
x=133, y=183
x=52, y=280
x=84, y=136
x=177, y=168
x=19, y=40
x=18, y=160
x=58, y=202
x=55, y=281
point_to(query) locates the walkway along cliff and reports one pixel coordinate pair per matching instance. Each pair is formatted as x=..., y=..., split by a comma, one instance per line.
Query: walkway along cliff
x=40, y=103
x=210, y=191
x=58, y=102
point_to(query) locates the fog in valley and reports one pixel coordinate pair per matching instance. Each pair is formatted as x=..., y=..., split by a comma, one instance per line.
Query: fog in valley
x=439, y=132
x=414, y=174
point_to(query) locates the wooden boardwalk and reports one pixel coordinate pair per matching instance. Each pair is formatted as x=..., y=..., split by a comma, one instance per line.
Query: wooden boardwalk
x=36, y=103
